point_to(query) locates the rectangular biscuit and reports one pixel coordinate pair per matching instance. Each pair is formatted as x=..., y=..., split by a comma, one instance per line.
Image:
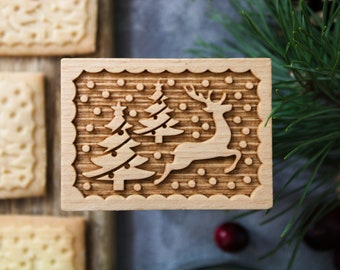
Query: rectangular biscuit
x=166, y=134
x=41, y=242
x=22, y=135
x=61, y=27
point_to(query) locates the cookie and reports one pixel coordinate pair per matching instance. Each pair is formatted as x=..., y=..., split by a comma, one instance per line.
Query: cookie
x=32, y=242
x=166, y=134
x=22, y=135
x=47, y=27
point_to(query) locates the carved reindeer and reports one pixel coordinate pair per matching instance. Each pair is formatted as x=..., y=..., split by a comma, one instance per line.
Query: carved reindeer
x=216, y=146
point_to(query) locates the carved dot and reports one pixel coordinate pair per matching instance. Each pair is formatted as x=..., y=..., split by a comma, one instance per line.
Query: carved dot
x=89, y=127
x=238, y=95
x=137, y=187
x=205, y=126
x=182, y=106
x=16, y=8
x=11, y=114
x=87, y=186
x=127, y=166
x=120, y=132
x=15, y=239
x=243, y=144
x=229, y=80
x=86, y=148
x=22, y=264
x=23, y=104
x=21, y=178
x=140, y=86
x=133, y=113
x=237, y=119
x=90, y=84
x=157, y=155
x=245, y=131
x=205, y=83
x=19, y=129
x=249, y=85
x=247, y=179
x=201, y=171
x=33, y=35
x=121, y=82
x=231, y=185
x=32, y=235
x=105, y=94
x=195, y=119
x=4, y=100
x=52, y=261
x=171, y=82
x=175, y=185
x=25, y=250
x=196, y=135
x=247, y=107
x=84, y=98
x=129, y=98
x=192, y=184
x=248, y=161
x=212, y=181
x=110, y=175
x=16, y=92
x=97, y=111
x=44, y=247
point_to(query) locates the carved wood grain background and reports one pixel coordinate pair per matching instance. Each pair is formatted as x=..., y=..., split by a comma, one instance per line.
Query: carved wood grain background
x=100, y=225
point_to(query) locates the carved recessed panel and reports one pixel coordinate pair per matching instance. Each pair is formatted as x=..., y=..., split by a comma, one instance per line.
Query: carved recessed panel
x=41, y=243
x=22, y=135
x=164, y=133
x=47, y=27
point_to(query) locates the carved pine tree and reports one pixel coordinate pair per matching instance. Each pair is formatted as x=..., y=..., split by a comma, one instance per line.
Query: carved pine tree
x=159, y=123
x=119, y=162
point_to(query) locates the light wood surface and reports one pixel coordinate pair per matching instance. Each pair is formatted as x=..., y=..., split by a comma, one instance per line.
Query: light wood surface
x=166, y=134
x=100, y=225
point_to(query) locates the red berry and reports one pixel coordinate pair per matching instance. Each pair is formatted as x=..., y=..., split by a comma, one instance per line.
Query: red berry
x=336, y=259
x=231, y=237
x=325, y=233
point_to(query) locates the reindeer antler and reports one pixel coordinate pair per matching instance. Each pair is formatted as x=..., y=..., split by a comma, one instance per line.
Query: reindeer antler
x=199, y=97
x=193, y=94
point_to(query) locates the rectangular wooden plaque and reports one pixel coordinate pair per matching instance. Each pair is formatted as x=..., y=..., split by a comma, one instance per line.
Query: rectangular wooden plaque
x=166, y=134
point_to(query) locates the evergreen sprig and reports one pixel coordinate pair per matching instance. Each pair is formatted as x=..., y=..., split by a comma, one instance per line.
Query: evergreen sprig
x=305, y=52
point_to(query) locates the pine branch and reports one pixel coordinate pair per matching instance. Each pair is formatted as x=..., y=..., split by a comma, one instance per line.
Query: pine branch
x=305, y=53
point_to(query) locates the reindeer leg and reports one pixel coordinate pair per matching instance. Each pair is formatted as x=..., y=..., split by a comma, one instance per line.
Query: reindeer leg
x=165, y=175
x=237, y=159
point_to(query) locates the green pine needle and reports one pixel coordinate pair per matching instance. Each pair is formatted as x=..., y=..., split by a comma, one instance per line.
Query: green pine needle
x=305, y=53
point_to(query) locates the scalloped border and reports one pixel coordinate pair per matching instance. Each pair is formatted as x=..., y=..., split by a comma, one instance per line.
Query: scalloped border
x=72, y=199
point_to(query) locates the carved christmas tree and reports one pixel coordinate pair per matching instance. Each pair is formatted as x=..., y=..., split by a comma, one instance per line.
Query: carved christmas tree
x=119, y=161
x=159, y=123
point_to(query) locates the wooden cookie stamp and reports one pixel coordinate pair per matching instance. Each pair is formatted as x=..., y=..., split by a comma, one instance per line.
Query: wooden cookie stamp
x=166, y=134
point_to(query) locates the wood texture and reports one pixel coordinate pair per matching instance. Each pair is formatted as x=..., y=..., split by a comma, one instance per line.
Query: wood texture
x=100, y=225
x=166, y=134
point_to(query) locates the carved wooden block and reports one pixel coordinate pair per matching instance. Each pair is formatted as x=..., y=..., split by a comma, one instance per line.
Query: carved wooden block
x=166, y=134
x=28, y=242
x=22, y=135
x=47, y=27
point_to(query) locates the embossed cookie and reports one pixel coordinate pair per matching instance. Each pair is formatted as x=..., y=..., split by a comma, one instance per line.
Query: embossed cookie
x=166, y=134
x=22, y=135
x=28, y=242
x=47, y=27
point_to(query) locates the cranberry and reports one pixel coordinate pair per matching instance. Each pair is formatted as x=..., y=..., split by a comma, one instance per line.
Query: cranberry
x=231, y=237
x=325, y=233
